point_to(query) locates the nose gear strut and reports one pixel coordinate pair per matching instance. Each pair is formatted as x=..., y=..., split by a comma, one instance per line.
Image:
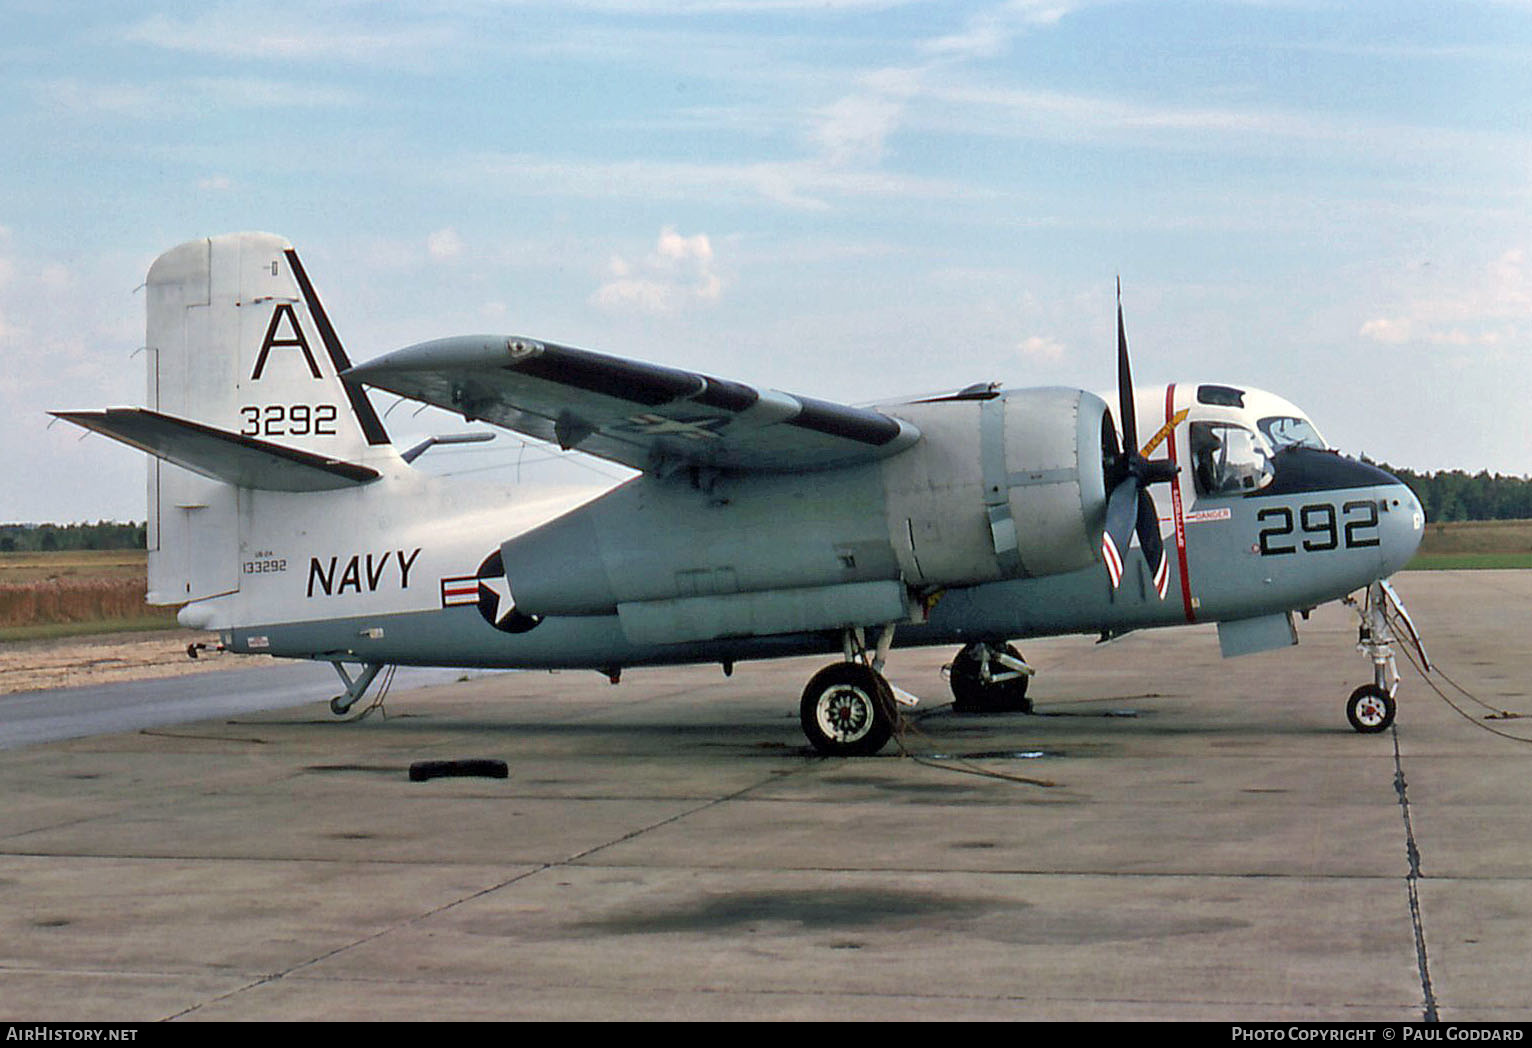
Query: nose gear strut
x=1371, y=707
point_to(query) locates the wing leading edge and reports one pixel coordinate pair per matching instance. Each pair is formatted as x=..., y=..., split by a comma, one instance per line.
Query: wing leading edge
x=642, y=415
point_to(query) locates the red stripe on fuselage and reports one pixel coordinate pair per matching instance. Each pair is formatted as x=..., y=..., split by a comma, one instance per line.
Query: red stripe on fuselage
x=1176, y=509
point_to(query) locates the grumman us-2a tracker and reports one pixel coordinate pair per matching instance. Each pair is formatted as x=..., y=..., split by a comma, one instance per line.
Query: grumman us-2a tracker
x=762, y=524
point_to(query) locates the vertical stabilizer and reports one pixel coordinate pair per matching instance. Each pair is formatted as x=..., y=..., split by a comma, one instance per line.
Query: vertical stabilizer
x=239, y=341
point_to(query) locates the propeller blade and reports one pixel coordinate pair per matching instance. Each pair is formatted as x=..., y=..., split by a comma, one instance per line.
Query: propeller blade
x=1118, y=533
x=1129, y=416
x=1150, y=542
x=1130, y=508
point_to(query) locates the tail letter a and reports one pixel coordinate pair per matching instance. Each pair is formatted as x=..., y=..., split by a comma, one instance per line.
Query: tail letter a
x=284, y=309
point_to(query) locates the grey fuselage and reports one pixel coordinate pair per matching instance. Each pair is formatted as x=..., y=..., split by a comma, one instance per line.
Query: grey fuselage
x=986, y=531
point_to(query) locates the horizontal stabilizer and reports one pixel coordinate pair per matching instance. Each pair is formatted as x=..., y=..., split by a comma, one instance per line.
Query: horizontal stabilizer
x=234, y=459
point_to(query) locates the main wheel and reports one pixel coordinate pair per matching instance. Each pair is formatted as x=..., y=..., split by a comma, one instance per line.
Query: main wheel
x=847, y=711
x=1370, y=709
x=971, y=693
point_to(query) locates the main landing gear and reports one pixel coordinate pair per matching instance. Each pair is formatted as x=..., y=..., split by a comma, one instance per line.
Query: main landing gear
x=989, y=678
x=1371, y=708
x=849, y=709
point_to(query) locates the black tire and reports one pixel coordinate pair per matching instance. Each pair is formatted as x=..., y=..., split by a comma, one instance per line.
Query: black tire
x=970, y=693
x=1370, y=709
x=847, y=711
x=477, y=767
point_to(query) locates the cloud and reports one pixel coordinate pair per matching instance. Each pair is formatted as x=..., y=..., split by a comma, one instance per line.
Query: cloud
x=190, y=96
x=854, y=129
x=54, y=276
x=1391, y=331
x=675, y=248
x=299, y=34
x=1486, y=307
x=798, y=185
x=252, y=92
x=444, y=244
x=73, y=95
x=990, y=32
x=676, y=275
x=1042, y=349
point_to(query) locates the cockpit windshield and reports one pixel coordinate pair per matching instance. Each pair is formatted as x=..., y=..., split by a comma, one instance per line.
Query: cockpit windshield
x=1285, y=431
x=1229, y=459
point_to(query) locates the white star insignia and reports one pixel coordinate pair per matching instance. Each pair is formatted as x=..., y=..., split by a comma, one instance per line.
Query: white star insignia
x=505, y=604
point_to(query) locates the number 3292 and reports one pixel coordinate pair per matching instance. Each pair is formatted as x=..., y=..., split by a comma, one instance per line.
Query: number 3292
x=288, y=420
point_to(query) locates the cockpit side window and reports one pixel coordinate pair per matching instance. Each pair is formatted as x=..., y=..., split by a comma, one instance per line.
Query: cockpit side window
x=1228, y=459
x=1285, y=431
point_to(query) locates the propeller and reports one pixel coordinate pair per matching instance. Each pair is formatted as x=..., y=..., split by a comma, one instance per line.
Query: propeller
x=1130, y=507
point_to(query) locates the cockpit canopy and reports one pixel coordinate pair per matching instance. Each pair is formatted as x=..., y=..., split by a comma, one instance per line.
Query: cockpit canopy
x=1287, y=431
x=1235, y=433
x=1229, y=459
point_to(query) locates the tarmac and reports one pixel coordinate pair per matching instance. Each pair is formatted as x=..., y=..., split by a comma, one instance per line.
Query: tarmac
x=1171, y=837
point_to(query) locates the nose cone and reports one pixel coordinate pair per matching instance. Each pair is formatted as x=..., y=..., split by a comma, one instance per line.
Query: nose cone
x=1400, y=527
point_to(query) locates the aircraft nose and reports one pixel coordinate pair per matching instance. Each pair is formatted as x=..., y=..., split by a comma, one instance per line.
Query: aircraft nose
x=1401, y=526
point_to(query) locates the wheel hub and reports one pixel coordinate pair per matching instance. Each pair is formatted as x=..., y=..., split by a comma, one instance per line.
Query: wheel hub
x=845, y=713
x=1370, y=711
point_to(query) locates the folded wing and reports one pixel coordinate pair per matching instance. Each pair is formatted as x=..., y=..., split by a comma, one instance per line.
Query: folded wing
x=642, y=415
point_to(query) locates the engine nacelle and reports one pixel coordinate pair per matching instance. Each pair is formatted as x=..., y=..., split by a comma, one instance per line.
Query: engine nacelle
x=1002, y=487
x=1005, y=486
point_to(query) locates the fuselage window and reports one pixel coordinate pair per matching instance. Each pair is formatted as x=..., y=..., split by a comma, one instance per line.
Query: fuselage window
x=1228, y=459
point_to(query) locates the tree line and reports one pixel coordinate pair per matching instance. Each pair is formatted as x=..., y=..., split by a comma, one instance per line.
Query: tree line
x=50, y=538
x=1450, y=495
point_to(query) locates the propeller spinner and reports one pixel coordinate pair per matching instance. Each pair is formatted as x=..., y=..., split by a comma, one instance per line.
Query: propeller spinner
x=1130, y=507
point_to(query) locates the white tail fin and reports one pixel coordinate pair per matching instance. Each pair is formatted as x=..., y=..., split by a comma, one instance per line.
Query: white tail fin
x=239, y=341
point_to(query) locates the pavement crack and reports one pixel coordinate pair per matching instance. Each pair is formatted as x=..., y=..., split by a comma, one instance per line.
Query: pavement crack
x=417, y=918
x=1412, y=853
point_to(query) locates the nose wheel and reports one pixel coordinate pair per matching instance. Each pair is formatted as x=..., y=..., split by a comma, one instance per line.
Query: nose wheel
x=1370, y=709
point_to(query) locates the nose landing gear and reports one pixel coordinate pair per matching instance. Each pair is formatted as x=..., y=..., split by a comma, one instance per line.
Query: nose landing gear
x=1371, y=708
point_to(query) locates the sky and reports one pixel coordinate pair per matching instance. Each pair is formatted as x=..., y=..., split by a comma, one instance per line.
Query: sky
x=848, y=199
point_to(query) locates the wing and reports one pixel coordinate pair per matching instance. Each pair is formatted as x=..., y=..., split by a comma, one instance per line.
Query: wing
x=642, y=415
